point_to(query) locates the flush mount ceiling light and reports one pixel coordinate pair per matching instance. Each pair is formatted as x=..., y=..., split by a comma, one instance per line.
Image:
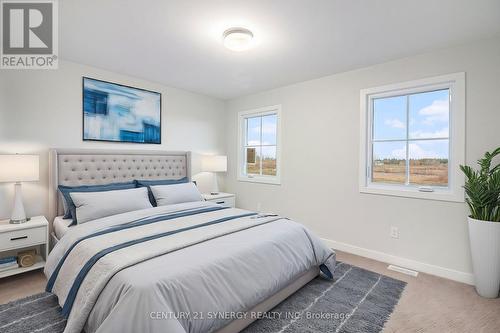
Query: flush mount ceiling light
x=237, y=39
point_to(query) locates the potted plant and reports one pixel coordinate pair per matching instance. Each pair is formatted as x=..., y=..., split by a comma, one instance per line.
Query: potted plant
x=482, y=189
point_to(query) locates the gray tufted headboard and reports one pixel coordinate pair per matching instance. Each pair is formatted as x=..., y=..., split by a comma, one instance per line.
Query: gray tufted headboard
x=74, y=167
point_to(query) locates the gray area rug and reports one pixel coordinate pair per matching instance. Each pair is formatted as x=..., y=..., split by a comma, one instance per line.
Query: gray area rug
x=356, y=300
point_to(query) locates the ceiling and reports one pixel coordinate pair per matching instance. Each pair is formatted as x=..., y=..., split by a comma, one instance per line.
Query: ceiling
x=178, y=43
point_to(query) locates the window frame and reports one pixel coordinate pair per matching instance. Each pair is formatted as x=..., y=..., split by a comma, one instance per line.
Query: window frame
x=242, y=131
x=454, y=192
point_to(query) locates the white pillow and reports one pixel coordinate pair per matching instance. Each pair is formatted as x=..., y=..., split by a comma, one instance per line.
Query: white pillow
x=94, y=205
x=176, y=193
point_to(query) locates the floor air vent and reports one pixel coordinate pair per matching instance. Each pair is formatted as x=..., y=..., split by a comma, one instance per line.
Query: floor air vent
x=402, y=270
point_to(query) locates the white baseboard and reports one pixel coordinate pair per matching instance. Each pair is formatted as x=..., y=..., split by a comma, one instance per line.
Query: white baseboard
x=443, y=272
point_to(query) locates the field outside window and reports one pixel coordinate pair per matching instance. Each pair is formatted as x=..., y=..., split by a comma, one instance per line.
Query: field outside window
x=410, y=139
x=261, y=145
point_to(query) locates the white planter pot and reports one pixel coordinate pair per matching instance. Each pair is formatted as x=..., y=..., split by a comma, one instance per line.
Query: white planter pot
x=485, y=247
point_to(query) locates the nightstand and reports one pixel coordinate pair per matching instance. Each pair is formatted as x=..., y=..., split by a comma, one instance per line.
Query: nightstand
x=224, y=199
x=15, y=238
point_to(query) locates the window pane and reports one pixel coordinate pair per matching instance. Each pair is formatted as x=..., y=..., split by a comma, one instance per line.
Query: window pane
x=430, y=114
x=389, y=118
x=252, y=166
x=269, y=161
x=389, y=162
x=429, y=162
x=253, y=131
x=269, y=129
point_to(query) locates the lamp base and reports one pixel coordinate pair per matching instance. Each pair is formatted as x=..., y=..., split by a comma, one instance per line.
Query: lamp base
x=18, y=215
x=215, y=184
x=19, y=221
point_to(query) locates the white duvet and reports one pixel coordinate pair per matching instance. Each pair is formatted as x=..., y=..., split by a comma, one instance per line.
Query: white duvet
x=189, y=281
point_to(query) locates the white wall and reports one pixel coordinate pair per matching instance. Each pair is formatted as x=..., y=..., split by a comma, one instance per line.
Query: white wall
x=3, y=105
x=43, y=109
x=320, y=124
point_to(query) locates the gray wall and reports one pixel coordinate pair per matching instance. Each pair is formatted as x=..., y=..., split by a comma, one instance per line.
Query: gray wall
x=44, y=110
x=3, y=106
x=320, y=124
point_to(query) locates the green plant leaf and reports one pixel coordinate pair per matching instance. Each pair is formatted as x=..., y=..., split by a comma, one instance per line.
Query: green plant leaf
x=482, y=188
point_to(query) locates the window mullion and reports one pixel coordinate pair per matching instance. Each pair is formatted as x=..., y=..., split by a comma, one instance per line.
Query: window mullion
x=260, y=146
x=245, y=148
x=371, y=140
x=407, y=162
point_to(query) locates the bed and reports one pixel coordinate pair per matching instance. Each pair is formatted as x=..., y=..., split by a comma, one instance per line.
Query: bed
x=188, y=267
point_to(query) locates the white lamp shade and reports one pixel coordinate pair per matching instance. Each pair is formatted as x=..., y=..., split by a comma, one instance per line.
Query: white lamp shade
x=214, y=163
x=19, y=168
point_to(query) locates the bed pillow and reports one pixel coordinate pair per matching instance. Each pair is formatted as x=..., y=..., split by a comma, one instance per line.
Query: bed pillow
x=94, y=205
x=177, y=193
x=148, y=183
x=69, y=206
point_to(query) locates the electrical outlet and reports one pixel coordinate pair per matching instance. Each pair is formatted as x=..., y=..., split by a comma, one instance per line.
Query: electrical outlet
x=394, y=232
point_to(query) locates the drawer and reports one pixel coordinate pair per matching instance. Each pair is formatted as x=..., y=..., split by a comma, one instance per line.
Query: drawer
x=226, y=202
x=21, y=238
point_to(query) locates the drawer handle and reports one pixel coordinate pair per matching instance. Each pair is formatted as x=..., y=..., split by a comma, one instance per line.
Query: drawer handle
x=18, y=238
x=220, y=202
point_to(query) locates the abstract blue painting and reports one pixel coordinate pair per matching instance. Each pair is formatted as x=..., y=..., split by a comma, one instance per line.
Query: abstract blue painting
x=115, y=112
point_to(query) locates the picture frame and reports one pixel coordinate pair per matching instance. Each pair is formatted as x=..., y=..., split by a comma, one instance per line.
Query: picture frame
x=114, y=112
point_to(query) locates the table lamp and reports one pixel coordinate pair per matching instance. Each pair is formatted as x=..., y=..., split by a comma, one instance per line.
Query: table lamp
x=214, y=164
x=17, y=169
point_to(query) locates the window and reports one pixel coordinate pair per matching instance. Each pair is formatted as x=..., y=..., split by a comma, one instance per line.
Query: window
x=259, y=145
x=412, y=138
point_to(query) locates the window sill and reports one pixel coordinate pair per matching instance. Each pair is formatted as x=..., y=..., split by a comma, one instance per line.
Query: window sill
x=261, y=180
x=452, y=196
